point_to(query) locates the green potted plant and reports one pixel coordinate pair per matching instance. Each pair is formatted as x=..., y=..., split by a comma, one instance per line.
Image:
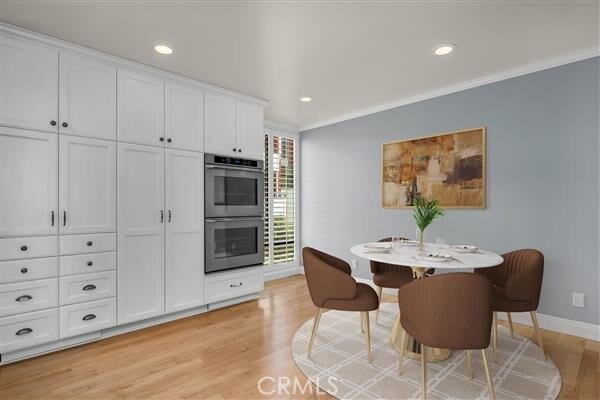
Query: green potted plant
x=424, y=213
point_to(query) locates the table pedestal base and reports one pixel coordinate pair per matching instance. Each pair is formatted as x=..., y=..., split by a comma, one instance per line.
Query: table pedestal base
x=413, y=349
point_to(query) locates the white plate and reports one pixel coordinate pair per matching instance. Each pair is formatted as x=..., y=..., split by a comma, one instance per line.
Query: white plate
x=437, y=257
x=465, y=248
x=409, y=242
x=378, y=246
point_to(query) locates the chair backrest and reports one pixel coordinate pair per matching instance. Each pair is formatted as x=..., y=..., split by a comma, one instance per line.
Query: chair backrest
x=524, y=272
x=377, y=266
x=327, y=277
x=451, y=311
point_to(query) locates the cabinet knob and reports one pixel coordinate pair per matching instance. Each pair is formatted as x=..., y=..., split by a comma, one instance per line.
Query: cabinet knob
x=53, y=123
x=23, y=248
x=169, y=140
x=24, y=270
x=162, y=139
x=64, y=124
x=239, y=150
x=90, y=243
x=89, y=263
x=234, y=149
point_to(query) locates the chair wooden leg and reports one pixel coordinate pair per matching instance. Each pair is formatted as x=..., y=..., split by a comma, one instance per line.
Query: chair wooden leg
x=537, y=332
x=488, y=375
x=423, y=372
x=314, y=330
x=362, y=322
x=379, y=294
x=512, y=330
x=494, y=334
x=368, y=331
x=403, y=339
x=469, y=364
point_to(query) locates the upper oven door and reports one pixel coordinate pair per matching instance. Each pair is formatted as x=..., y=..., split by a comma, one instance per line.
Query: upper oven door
x=233, y=191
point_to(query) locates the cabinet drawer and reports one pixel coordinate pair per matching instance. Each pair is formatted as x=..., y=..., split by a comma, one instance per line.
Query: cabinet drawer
x=93, y=243
x=27, y=270
x=28, y=247
x=81, y=318
x=16, y=298
x=86, y=287
x=229, y=286
x=86, y=263
x=30, y=329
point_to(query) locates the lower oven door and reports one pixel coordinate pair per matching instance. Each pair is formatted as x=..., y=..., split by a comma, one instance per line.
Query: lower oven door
x=233, y=242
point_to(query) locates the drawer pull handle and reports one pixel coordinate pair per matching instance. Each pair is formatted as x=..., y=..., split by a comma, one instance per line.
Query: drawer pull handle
x=238, y=285
x=24, y=270
x=89, y=263
x=90, y=243
x=24, y=331
x=89, y=287
x=24, y=248
x=89, y=317
x=24, y=297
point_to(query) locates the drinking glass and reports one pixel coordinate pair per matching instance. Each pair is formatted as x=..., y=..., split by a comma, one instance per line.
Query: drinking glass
x=396, y=244
x=441, y=244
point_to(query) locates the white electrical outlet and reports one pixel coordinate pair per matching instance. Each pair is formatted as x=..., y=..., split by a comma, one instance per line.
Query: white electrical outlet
x=354, y=264
x=578, y=300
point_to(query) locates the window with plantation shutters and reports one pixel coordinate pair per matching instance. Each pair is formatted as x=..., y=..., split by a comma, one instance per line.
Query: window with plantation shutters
x=280, y=199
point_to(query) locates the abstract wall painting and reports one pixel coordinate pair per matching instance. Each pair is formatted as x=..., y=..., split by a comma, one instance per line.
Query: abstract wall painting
x=449, y=167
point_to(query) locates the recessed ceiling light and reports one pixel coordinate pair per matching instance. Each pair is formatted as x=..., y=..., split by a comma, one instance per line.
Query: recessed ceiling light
x=444, y=49
x=306, y=99
x=162, y=49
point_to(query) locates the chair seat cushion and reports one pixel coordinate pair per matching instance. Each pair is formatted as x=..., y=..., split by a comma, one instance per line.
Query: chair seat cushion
x=365, y=300
x=501, y=302
x=393, y=279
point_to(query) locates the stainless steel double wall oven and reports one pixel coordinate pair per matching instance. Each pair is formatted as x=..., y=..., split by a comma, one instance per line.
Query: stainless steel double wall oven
x=234, y=202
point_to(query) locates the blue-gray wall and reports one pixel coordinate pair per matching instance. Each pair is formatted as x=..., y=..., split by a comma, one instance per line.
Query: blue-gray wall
x=542, y=178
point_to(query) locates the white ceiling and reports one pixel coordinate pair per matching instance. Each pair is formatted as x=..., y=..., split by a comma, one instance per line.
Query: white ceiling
x=348, y=56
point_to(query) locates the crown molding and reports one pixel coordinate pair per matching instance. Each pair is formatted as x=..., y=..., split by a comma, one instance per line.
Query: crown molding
x=281, y=126
x=40, y=38
x=500, y=76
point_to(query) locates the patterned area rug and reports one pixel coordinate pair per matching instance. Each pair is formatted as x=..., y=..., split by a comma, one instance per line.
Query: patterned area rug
x=338, y=364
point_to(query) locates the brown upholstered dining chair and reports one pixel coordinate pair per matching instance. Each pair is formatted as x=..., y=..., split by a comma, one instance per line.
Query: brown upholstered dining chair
x=517, y=284
x=450, y=311
x=390, y=276
x=332, y=287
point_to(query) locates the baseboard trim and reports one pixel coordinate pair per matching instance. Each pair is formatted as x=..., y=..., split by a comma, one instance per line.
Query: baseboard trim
x=547, y=322
x=279, y=273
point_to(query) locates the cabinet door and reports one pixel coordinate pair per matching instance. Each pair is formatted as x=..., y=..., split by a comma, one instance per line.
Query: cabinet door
x=184, y=117
x=29, y=81
x=140, y=102
x=220, y=125
x=88, y=97
x=250, y=131
x=87, y=185
x=28, y=183
x=141, y=233
x=184, y=192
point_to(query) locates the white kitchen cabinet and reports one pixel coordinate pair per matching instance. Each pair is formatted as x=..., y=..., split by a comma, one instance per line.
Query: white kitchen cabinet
x=140, y=108
x=184, y=117
x=29, y=85
x=88, y=97
x=250, y=135
x=220, y=125
x=28, y=182
x=141, y=233
x=184, y=192
x=87, y=185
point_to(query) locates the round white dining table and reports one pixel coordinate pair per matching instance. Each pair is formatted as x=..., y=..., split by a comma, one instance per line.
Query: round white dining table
x=408, y=255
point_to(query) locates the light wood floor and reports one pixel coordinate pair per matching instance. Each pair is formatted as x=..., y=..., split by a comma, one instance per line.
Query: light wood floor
x=223, y=354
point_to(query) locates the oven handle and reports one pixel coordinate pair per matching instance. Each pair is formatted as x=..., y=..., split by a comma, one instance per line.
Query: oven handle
x=247, y=169
x=234, y=219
